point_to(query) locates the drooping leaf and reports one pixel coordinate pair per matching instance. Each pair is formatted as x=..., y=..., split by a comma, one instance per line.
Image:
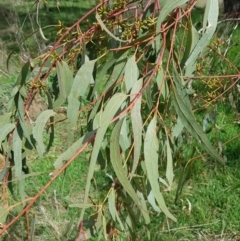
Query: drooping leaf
x=148, y=96
x=17, y=149
x=189, y=121
x=65, y=79
x=111, y=109
x=117, y=164
x=131, y=73
x=18, y=160
x=210, y=18
x=192, y=40
x=51, y=135
x=104, y=226
x=39, y=128
x=151, y=200
x=20, y=111
x=79, y=87
x=151, y=161
x=161, y=84
x=103, y=26
x=111, y=204
x=169, y=171
x=136, y=119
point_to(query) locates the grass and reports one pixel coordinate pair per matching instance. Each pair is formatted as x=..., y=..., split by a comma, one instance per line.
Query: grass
x=208, y=208
x=24, y=14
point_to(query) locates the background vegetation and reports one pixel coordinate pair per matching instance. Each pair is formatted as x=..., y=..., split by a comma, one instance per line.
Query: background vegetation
x=140, y=125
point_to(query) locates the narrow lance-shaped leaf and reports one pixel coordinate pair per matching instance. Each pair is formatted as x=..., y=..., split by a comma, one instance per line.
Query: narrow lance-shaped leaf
x=192, y=40
x=106, y=29
x=211, y=16
x=151, y=160
x=131, y=73
x=136, y=119
x=112, y=208
x=79, y=87
x=151, y=200
x=39, y=128
x=169, y=171
x=188, y=120
x=65, y=79
x=111, y=109
x=117, y=164
x=21, y=113
x=17, y=149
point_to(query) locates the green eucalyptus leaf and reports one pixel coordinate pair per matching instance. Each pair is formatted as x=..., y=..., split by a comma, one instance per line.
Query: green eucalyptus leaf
x=137, y=125
x=192, y=40
x=111, y=109
x=79, y=87
x=151, y=200
x=17, y=149
x=151, y=160
x=21, y=113
x=18, y=160
x=131, y=73
x=209, y=27
x=117, y=163
x=111, y=204
x=189, y=121
x=39, y=128
x=65, y=79
x=169, y=171
x=103, y=26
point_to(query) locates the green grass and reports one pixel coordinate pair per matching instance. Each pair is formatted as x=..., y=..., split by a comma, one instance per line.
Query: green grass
x=24, y=15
